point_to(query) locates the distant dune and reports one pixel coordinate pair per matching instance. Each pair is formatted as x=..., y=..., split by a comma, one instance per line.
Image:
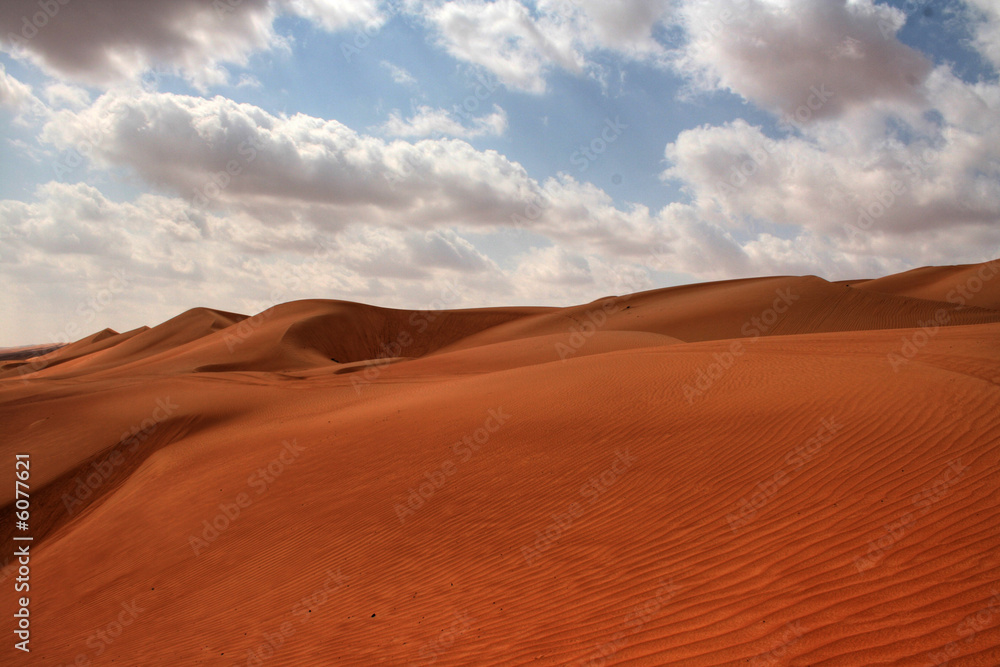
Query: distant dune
x=771, y=471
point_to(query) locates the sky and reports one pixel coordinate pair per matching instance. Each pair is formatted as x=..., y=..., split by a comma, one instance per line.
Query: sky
x=236, y=154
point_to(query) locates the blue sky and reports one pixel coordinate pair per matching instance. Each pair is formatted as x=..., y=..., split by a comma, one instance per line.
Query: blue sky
x=395, y=145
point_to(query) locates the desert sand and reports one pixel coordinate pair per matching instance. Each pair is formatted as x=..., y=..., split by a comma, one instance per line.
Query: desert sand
x=771, y=471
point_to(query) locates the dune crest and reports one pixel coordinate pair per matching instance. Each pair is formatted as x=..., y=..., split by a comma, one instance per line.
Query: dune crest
x=766, y=471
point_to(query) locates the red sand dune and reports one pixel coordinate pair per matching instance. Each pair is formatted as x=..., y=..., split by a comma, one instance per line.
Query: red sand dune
x=754, y=472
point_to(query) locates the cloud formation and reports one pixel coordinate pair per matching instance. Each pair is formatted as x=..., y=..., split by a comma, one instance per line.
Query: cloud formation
x=779, y=53
x=102, y=42
x=861, y=157
x=521, y=43
x=428, y=122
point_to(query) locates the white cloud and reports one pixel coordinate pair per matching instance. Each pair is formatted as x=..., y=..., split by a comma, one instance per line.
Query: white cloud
x=68, y=96
x=248, y=81
x=292, y=166
x=428, y=122
x=102, y=42
x=336, y=15
x=986, y=29
x=892, y=163
x=399, y=74
x=64, y=247
x=13, y=93
x=520, y=44
x=780, y=53
x=301, y=170
x=18, y=97
x=246, y=197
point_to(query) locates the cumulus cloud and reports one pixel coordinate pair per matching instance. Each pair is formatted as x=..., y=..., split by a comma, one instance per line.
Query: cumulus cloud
x=826, y=57
x=894, y=163
x=101, y=42
x=743, y=176
x=520, y=45
x=428, y=122
x=746, y=189
x=904, y=163
x=70, y=241
x=986, y=29
x=218, y=152
x=64, y=95
x=18, y=96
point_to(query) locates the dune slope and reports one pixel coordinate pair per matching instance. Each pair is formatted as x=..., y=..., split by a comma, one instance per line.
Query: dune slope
x=686, y=481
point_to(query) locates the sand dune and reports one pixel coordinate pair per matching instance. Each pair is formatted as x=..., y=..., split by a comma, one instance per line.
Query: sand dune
x=969, y=284
x=774, y=471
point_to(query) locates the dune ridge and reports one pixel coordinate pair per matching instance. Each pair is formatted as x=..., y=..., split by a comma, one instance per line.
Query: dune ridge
x=766, y=471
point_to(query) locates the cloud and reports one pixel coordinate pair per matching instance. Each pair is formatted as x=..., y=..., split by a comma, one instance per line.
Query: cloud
x=399, y=74
x=896, y=165
x=884, y=160
x=68, y=96
x=554, y=267
x=221, y=157
x=221, y=153
x=779, y=53
x=19, y=98
x=335, y=15
x=65, y=246
x=102, y=42
x=428, y=122
x=940, y=182
x=986, y=29
x=520, y=45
